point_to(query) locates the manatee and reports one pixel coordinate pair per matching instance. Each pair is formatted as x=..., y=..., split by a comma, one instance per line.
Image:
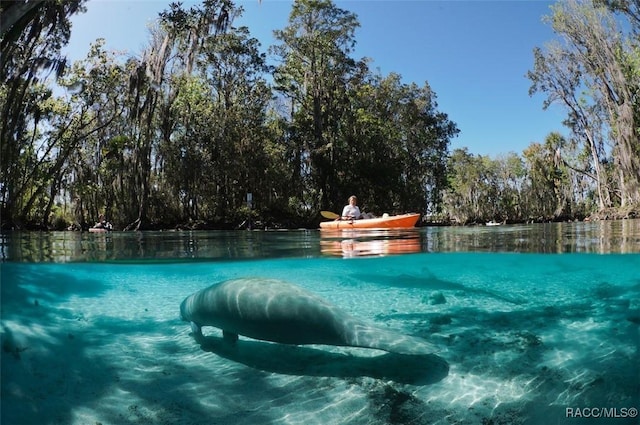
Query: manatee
x=278, y=311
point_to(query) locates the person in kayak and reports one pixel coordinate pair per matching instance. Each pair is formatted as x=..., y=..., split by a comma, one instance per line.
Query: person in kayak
x=351, y=211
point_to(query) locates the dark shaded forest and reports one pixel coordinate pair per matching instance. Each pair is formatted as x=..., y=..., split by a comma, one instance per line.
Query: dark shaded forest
x=201, y=131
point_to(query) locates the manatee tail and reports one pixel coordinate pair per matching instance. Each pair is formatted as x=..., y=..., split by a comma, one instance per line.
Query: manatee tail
x=373, y=337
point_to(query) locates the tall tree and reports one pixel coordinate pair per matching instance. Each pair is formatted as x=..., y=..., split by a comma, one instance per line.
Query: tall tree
x=96, y=168
x=549, y=194
x=596, y=74
x=558, y=73
x=315, y=68
x=398, y=144
x=172, y=52
x=220, y=116
x=32, y=35
x=351, y=130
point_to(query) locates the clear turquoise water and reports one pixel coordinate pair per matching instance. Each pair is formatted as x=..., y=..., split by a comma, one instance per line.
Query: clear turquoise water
x=91, y=335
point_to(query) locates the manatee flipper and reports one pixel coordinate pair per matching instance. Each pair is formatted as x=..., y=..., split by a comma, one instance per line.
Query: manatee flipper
x=229, y=336
x=197, y=331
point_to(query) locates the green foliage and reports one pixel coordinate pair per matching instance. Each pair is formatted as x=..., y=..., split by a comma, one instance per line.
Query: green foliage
x=546, y=183
x=351, y=131
x=184, y=132
x=594, y=73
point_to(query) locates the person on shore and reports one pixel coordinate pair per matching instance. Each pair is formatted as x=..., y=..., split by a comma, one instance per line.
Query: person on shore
x=102, y=223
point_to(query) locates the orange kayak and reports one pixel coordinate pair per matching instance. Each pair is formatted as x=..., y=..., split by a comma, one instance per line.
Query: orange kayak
x=404, y=221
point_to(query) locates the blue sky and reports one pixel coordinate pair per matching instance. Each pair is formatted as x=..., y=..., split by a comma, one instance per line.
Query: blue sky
x=475, y=55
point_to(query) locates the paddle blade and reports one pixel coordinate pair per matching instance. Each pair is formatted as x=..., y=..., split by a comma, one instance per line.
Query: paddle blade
x=328, y=214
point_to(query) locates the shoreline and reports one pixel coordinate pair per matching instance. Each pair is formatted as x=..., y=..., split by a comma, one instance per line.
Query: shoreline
x=605, y=215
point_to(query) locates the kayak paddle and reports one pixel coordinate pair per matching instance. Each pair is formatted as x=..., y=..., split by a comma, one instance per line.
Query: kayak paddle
x=330, y=215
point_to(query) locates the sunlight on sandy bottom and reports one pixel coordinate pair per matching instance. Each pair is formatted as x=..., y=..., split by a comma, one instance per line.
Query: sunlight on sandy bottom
x=114, y=350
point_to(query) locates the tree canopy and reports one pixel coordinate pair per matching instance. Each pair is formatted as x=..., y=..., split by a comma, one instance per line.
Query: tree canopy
x=201, y=130
x=592, y=69
x=595, y=74
x=184, y=133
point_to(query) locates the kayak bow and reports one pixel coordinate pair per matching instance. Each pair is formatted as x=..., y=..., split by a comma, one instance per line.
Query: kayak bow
x=404, y=221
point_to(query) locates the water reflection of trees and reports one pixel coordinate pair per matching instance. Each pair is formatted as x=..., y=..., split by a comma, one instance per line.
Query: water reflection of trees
x=621, y=236
x=602, y=237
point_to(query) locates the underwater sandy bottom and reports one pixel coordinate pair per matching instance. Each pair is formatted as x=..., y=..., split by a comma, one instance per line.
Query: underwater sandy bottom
x=523, y=339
